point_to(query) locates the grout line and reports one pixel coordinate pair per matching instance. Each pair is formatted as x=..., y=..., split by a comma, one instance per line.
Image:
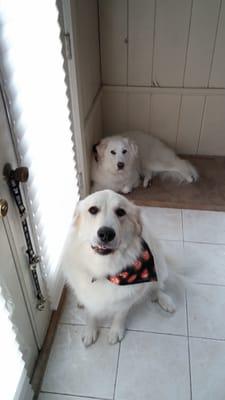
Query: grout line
x=209, y=284
x=182, y=224
x=117, y=367
x=206, y=338
x=76, y=395
x=130, y=330
x=198, y=242
x=154, y=332
x=188, y=341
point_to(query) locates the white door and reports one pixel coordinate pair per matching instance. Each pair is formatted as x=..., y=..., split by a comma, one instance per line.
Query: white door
x=15, y=277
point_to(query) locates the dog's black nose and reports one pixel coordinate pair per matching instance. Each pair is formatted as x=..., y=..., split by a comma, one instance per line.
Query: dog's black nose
x=106, y=234
x=120, y=165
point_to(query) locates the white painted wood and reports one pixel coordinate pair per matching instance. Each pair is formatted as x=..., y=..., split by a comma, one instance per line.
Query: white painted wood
x=140, y=41
x=138, y=111
x=171, y=33
x=217, y=78
x=176, y=122
x=113, y=35
x=158, y=90
x=212, y=140
x=164, y=113
x=85, y=21
x=73, y=75
x=93, y=129
x=189, y=124
x=39, y=320
x=114, y=108
x=24, y=389
x=15, y=301
x=201, y=42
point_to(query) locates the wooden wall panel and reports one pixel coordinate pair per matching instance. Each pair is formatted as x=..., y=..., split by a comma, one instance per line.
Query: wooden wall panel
x=140, y=41
x=93, y=131
x=171, y=33
x=212, y=140
x=190, y=124
x=201, y=42
x=88, y=49
x=164, y=113
x=113, y=35
x=217, y=78
x=114, y=108
x=138, y=111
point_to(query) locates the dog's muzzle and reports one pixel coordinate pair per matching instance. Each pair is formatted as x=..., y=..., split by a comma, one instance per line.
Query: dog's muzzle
x=120, y=165
x=105, y=237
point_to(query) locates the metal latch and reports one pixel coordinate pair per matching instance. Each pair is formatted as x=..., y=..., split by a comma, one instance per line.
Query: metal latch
x=14, y=178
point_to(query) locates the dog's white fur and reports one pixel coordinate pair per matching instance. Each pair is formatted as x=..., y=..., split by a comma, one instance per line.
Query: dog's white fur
x=82, y=263
x=144, y=155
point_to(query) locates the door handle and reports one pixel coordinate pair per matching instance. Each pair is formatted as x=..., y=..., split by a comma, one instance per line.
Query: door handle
x=3, y=208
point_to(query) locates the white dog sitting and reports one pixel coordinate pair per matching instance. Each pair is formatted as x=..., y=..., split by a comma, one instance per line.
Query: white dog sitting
x=112, y=262
x=118, y=162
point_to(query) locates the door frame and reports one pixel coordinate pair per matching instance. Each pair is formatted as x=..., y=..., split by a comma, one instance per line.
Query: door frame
x=73, y=79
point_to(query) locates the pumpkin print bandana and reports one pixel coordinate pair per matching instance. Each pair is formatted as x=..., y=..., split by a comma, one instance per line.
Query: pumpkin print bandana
x=142, y=270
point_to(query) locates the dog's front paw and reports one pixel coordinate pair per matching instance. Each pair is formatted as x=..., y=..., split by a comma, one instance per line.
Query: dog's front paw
x=147, y=182
x=193, y=175
x=116, y=335
x=166, y=302
x=126, y=189
x=89, y=336
x=80, y=305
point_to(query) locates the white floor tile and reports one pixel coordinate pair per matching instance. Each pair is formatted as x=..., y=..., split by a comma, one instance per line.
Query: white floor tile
x=206, y=305
x=74, y=369
x=153, y=367
x=207, y=369
x=164, y=223
x=71, y=313
x=205, y=263
x=204, y=226
x=53, y=396
x=150, y=316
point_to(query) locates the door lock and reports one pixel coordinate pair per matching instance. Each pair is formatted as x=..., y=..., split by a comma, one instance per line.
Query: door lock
x=3, y=208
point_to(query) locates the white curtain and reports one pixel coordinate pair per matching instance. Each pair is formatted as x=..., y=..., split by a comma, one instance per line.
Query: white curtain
x=31, y=64
x=12, y=368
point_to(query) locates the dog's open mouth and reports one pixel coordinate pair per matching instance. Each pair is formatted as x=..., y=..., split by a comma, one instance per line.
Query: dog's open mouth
x=102, y=249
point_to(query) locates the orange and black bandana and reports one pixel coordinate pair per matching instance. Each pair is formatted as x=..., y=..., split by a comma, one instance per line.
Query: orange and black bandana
x=142, y=270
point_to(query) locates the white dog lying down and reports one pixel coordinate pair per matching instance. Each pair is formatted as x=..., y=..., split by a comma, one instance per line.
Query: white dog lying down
x=109, y=250
x=119, y=161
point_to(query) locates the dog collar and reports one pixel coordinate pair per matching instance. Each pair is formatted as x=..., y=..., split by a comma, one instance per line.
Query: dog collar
x=142, y=270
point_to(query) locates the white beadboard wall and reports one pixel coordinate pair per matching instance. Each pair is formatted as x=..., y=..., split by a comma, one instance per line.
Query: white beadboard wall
x=191, y=123
x=163, y=71
x=85, y=23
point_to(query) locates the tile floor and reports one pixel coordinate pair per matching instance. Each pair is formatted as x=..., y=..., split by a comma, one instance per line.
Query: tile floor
x=163, y=356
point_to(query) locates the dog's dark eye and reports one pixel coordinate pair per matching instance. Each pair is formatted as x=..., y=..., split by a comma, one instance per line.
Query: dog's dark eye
x=124, y=151
x=93, y=210
x=120, y=212
x=113, y=152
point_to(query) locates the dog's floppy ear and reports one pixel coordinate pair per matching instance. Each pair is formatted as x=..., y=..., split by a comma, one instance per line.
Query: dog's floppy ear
x=98, y=149
x=136, y=218
x=76, y=215
x=133, y=147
